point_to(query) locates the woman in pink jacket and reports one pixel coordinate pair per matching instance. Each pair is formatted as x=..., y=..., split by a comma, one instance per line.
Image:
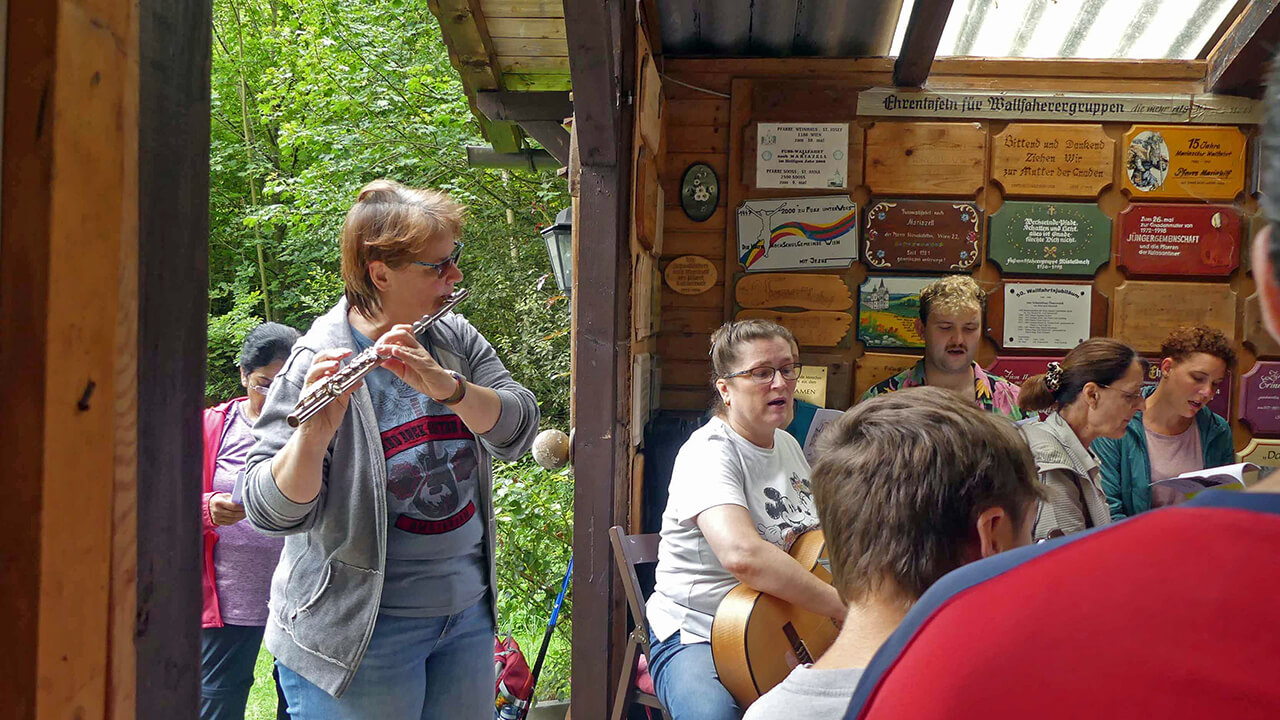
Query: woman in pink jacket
x=238, y=561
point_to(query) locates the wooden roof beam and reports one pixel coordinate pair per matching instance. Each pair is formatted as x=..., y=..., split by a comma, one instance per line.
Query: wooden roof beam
x=540, y=114
x=1239, y=61
x=596, y=80
x=920, y=43
x=471, y=54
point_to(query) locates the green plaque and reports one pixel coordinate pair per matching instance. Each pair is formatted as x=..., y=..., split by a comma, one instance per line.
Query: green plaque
x=1058, y=239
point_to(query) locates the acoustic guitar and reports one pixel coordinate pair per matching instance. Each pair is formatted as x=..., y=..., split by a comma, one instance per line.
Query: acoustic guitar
x=756, y=639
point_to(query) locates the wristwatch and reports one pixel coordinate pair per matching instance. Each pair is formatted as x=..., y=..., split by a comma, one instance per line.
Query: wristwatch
x=458, y=393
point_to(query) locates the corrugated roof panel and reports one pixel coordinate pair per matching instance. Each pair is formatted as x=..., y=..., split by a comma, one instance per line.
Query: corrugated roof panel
x=724, y=26
x=773, y=28
x=845, y=28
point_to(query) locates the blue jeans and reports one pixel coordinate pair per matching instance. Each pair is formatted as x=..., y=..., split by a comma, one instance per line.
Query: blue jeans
x=227, y=657
x=429, y=668
x=686, y=682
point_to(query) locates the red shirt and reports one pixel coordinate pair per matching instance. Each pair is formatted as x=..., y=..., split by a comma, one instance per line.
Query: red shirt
x=1171, y=614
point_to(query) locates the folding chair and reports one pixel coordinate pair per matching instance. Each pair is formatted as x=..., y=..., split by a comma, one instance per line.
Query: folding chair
x=629, y=551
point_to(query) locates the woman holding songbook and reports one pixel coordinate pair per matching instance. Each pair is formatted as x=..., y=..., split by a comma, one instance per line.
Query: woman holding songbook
x=1177, y=433
x=238, y=561
x=1091, y=394
x=739, y=496
x=382, y=605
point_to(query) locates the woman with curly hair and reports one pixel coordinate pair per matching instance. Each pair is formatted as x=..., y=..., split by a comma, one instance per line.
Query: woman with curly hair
x=1177, y=432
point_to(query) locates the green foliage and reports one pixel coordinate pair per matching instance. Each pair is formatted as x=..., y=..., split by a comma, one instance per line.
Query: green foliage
x=535, y=540
x=311, y=99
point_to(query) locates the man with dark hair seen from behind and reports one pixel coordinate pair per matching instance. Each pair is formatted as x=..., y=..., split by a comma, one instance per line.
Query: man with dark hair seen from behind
x=909, y=486
x=1170, y=614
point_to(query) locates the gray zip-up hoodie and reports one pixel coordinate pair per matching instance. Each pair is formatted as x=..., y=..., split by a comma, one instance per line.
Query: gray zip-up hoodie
x=327, y=587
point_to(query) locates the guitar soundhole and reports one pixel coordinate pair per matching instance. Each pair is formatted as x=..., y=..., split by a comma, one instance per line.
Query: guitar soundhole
x=797, y=645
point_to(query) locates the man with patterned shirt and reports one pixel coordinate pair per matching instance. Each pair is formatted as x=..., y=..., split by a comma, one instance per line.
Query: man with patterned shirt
x=951, y=324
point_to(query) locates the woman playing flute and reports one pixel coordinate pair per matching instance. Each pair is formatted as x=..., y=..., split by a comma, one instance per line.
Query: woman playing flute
x=383, y=604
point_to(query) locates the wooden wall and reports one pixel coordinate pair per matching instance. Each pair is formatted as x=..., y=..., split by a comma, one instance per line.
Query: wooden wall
x=710, y=110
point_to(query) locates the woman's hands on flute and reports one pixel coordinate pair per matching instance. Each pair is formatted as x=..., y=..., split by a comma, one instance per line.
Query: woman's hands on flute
x=411, y=362
x=324, y=424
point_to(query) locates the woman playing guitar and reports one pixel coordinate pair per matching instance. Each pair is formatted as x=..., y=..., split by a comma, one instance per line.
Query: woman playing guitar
x=739, y=496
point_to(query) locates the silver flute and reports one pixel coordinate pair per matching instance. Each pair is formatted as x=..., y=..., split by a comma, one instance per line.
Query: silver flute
x=329, y=389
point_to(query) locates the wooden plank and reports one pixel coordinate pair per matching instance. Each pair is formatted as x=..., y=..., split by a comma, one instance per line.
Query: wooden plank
x=676, y=163
x=683, y=346
x=676, y=221
x=1053, y=159
x=685, y=113
x=920, y=43
x=536, y=82
x=698, y=139
x=942, y=158
x=712, y=298
x=812, y=328
x=685, y=399
x=505, y=105
x=533, y=65
x=697, y=321
x=687, y=373
x=706, y=244
x=944, y=67
x=873, y=368
x=508, y=27
x=173, y=180
x=649, y=100
x=523, y=8
x=793, y=290
x=1240, y=58
x=530, y=46
x=695, y=85
x=1145, y=312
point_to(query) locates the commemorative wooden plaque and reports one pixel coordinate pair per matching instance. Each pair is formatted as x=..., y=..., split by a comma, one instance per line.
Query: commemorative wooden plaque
x=1178, y=239
x=1145, y=312
x=918, y=158
x=922, y=235
x=784, y=290
x=1060, y=239
x=1196, y=162
x=1259, y=451
x=1221, y=403
x=1051, y=316
x=1055, y=160
x=872, y=368
x=691, y=275
x=812, y=328
x=1260, y=398
x=1256, y=335
x=1017, y=369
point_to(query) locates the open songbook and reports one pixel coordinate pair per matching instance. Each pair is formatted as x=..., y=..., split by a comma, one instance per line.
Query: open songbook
x=1187, y=485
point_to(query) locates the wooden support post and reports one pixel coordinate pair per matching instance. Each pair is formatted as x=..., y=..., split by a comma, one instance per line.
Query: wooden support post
x=920, y=43
x=601, y=47
x=1235, y=64
x=173, y=181
x=69, y=203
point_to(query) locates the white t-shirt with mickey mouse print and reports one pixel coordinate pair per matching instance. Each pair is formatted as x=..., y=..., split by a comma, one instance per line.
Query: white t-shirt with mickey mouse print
x=717, y=466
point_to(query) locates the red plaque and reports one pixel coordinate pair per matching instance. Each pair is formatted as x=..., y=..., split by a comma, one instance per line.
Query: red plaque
x=1017, y=369
x=1260, y=398
x=1195, y=240
x=930, y=235
x=1220, y=403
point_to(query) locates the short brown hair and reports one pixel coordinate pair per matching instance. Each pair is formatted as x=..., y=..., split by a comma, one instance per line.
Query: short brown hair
x=1097, y=360
x=951, y=294
x=391, y=223
x=1198, y=339
x=900, y=481
x=727, y=342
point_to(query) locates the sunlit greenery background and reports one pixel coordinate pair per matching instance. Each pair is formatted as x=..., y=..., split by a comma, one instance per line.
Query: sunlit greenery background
x=311, y=99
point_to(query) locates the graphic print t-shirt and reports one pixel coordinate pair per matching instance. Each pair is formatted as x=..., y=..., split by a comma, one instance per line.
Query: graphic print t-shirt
x=435, y=552
x=717, y=466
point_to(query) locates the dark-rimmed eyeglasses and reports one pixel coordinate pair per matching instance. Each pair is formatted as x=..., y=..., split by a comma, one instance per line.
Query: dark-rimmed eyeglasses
x=763, y=374
x=443, y=266
x=1134, y=398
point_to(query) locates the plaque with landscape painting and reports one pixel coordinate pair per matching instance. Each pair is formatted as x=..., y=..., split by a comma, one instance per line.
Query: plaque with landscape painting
x=1178, y=239
x=1196, y=162
x=922, y=235
x=1061, y=239
x=888, y=307
x=1260, y=398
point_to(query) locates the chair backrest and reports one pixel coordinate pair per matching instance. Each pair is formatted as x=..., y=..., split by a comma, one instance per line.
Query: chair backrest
x=629, y=551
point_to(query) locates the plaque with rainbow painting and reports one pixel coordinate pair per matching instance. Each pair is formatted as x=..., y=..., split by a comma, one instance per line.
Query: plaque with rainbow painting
x=807, y=233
